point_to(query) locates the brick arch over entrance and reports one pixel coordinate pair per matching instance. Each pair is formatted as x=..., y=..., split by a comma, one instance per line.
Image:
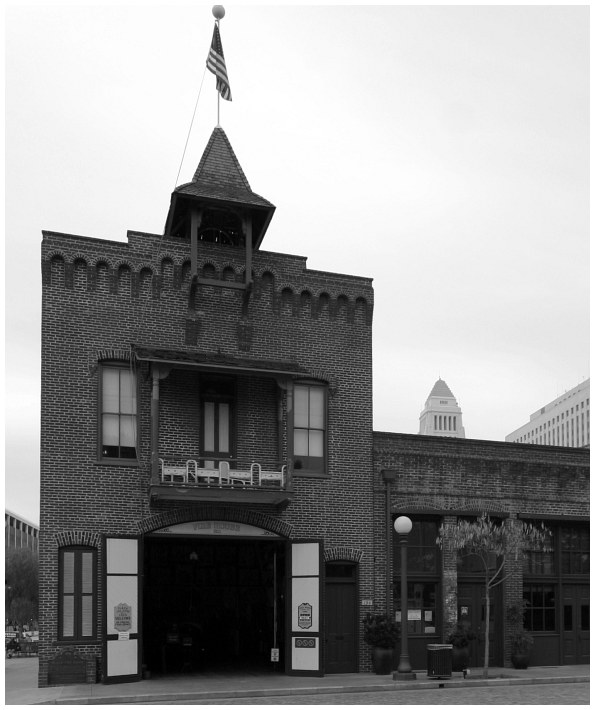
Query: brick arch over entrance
x=77, y=537
x=213, y=512
x=343, y=554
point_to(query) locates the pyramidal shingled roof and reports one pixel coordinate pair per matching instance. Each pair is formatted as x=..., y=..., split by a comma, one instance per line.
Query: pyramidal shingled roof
x=219, y=175
x=441, y=389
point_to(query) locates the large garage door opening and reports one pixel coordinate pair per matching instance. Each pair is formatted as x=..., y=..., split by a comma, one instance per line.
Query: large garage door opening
x=213, y=605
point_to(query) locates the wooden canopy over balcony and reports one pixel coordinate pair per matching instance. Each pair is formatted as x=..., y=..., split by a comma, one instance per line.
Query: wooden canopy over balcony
x=192, y=481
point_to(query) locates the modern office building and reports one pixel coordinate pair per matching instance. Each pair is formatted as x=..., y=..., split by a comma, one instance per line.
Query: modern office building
x=442, y=415
x=20, y=533
x=563, y=422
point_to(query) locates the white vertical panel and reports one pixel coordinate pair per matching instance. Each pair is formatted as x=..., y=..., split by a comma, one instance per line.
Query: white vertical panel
x=305, y=559
x=121, y=608
x=122, y=658
x=305, y=590
x=122, y=556
x=122, y=590
x=304, y=659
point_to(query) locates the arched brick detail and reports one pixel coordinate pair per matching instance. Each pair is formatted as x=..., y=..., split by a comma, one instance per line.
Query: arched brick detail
x=113, y=354
x=68, y=538
x=347, y=554
x=417, y=504
x=216, y=512
x=482, y=506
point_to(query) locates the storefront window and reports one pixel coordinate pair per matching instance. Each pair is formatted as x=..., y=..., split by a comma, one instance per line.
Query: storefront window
x=421, y=607
x=575, y=552
x=423, y=569
x=422, y=551
x=540, y=611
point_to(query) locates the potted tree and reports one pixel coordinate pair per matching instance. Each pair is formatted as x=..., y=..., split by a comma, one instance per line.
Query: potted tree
x=381, y=633
x=521, y=640
x=460, y=637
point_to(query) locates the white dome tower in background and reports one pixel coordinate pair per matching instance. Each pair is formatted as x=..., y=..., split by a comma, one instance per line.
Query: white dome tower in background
x=442, y=415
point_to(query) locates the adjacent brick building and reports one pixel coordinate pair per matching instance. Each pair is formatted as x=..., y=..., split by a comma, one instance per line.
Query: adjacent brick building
x=212, y=491
x=436, y=481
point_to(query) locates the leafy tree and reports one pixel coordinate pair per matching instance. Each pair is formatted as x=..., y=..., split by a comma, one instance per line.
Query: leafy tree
x=493, y=544
x=21, y=586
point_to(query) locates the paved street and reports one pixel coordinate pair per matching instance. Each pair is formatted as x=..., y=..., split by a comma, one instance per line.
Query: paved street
x=560, y=685
x=562, y=694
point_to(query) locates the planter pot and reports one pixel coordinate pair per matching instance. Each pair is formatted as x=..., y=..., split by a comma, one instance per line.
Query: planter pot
x=460, y=658
x=382, y=660
x=520, y=660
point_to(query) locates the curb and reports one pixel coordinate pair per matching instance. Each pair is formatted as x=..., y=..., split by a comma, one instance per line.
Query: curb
x=312, y=690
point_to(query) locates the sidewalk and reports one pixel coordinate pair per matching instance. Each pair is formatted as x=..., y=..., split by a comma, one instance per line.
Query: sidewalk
x=21, y=682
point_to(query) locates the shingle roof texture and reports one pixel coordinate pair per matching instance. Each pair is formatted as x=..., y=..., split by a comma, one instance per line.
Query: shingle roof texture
x=219, y=175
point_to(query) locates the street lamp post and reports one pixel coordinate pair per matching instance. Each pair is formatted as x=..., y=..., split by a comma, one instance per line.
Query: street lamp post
x=403, y=527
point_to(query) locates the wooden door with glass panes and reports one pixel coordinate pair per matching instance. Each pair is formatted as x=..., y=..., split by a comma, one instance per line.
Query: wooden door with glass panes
x=423, y=588
x=575, y=624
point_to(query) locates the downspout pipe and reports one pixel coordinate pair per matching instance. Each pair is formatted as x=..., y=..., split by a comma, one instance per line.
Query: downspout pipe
x=389, y=476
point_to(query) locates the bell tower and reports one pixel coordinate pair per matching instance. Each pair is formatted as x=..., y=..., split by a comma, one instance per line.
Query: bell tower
x=219, y=206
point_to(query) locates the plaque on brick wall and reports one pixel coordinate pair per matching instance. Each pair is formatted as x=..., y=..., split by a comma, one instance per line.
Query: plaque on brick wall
x=123, y=617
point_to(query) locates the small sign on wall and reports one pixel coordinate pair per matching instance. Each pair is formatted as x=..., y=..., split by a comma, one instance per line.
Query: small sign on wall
x=305, y=615
x=367, y=602
x=123, y=617
x=274, y=655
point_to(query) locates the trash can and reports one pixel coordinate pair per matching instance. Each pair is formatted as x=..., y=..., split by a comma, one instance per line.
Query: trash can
x=439, y=660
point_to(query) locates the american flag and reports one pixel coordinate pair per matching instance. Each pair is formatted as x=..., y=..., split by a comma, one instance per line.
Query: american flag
x=216, y=64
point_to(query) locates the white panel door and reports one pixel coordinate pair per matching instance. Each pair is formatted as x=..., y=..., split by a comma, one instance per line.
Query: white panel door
x=305, y=608
x=122, y=647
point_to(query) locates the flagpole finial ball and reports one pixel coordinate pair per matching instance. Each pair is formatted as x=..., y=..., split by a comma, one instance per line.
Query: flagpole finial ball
x=218, y=12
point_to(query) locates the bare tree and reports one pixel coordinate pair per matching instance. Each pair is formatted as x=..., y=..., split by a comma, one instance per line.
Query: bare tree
x=493, y=543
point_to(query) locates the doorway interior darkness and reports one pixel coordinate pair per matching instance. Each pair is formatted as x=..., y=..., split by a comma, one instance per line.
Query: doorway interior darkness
x=211, y=604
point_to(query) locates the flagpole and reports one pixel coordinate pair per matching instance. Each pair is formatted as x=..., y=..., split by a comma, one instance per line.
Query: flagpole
x=217, y=13
x=216, y=62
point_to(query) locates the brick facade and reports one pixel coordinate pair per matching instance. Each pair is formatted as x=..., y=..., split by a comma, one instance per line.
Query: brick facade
x=448, y=478
x=122, y=302
x=100, y=298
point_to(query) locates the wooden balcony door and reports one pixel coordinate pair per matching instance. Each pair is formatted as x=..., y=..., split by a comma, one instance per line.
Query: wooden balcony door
x=217, y=417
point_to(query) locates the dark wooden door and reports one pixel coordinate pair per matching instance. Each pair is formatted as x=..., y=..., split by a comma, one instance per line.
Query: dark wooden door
x=575, y=623
x=340, y=620
x=472, y=610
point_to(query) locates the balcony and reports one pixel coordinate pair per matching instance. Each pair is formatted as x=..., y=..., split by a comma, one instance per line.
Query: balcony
x=221, y=427
x=253, y=484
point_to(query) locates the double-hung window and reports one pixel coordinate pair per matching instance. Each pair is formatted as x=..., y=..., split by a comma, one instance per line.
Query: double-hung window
x=309, y=428
x=218, y=395
x=78, y=595
x=118, y=413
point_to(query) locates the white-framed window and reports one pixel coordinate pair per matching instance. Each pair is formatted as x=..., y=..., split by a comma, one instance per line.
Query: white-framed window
x=118, y=420
x=309, y=427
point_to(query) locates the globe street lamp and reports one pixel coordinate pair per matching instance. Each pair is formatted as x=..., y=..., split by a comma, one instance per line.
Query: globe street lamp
x=403, y=527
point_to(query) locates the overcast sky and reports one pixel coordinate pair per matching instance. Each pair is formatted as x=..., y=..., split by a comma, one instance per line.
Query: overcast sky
x=442, y=151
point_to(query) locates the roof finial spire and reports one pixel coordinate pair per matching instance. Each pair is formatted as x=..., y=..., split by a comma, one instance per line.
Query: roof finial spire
x=218, y=12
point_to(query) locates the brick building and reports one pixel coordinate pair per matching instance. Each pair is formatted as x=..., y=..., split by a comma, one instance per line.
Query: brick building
x=436, y=480
x=196, y=386
x=212, y=492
